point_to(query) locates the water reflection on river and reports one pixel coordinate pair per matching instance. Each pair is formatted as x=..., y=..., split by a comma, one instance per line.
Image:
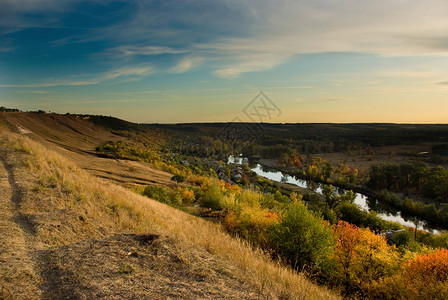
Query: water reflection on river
x=384, y=211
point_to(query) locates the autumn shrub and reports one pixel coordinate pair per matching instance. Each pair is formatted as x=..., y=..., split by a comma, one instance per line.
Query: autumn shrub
x=361, y=257
x=163, y=194
x=402, y=239
x=198, y=180
x=439, y=240
x=213, y=197
x=427, y=275
x=187, y=195
x=251, y=224
x=249, y=198
x=301, y=237
x=423, y=277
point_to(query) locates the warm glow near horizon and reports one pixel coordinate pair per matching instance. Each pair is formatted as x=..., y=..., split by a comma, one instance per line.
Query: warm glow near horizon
x=318, y=61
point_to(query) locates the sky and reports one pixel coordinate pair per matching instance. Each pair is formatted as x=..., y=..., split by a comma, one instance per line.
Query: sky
x=207, y=61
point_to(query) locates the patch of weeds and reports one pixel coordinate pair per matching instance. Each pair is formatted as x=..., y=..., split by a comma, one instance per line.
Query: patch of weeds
x=82, y=198
x=127, y=269
x=49, y=182
x=37, y=188
x=23, y=149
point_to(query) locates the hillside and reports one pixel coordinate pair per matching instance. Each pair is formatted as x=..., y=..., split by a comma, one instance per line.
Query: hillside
x=70, y=228
x=76, y=137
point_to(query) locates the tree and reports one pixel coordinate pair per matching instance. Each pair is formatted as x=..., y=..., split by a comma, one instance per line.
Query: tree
x=362, y=257
x=333, y=199
x=327, y=170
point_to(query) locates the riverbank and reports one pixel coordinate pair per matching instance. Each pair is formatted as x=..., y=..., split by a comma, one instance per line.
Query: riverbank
x=271, y=163
x=281, y=174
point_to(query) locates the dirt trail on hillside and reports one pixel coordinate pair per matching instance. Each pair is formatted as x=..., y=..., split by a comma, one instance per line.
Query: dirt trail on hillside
x=121, y=266
x=18, y=245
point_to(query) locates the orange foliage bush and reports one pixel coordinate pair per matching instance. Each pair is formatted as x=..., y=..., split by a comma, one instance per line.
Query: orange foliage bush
x=428, y=267
x=187, y=196
x=234, y=188
x=423, y=277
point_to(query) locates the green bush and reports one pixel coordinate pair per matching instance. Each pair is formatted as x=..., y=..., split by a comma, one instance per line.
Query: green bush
x=301, y=237
x=213, y=197
x=402, y=238
x=163, y=195
x=178, y=178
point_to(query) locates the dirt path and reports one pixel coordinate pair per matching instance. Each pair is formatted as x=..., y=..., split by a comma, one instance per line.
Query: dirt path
x=18, y=245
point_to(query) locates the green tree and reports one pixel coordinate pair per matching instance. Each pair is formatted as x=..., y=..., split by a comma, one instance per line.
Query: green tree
x=333, y=199
x=327, y=170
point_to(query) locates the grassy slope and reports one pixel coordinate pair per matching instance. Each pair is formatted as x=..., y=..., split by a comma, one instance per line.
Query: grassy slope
x=77, y=138
x=70, y=220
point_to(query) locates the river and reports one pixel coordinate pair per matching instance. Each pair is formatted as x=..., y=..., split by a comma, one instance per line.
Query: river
x=361, y=200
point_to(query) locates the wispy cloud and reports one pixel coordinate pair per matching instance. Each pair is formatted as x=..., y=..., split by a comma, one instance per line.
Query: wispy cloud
x=17, y=15
x=131, y=50
x=6, y=48
x=336, y=99
x=186, y=64
x=125, y=72
x=250, y=63
x=50, y=84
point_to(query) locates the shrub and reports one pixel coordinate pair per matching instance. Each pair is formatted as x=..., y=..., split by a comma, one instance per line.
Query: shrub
x=213, y=197
x=423, y=277
x=402, y=239
x=178, y=178
x=301, y=237
x=188, y=196
x=163, y=195
x=250, y=223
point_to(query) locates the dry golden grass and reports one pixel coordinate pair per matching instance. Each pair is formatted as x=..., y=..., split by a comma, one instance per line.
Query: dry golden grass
x=88, y=207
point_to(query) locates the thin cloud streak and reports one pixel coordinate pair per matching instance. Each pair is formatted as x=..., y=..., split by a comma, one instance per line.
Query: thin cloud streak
x=186, y=64
x=131, y=51
x=126, y=72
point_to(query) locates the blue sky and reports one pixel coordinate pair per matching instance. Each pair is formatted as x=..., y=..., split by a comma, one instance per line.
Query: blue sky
x=204, y=61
